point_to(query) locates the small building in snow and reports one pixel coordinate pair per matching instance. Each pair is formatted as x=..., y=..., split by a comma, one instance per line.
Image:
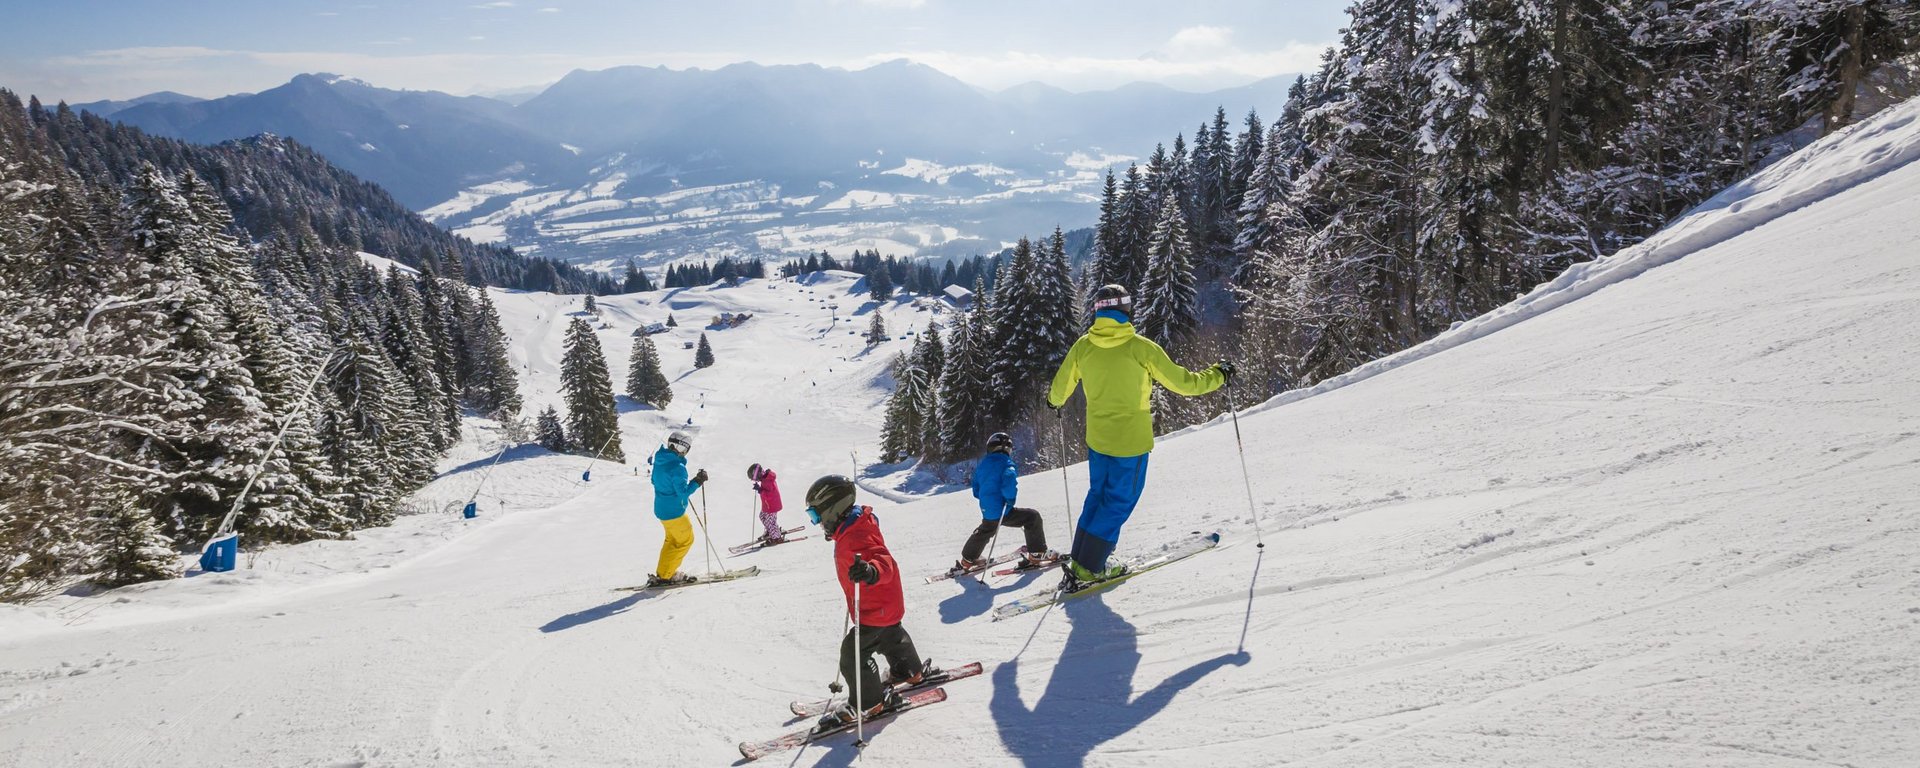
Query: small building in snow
x=959, y=297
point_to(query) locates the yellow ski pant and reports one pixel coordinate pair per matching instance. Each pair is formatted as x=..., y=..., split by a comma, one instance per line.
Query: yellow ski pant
x=674, y=549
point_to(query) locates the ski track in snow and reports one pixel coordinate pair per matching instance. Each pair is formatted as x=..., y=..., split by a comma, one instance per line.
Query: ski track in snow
x=1671, y=521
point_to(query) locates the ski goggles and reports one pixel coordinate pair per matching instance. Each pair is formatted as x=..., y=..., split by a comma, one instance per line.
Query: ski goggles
x=814, y=515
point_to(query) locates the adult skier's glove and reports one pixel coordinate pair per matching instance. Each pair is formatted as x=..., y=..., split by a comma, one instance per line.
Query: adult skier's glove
x=863, y=572
x=1226, y=369
x=700, y=478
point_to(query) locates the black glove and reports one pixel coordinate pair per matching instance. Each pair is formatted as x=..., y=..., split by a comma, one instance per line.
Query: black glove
x=1226, y=369
x=863, y=572
x=700, y=477
x=756, y=487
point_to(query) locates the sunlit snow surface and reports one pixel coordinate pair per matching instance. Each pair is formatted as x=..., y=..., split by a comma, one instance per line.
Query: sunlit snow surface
x=1670, y=521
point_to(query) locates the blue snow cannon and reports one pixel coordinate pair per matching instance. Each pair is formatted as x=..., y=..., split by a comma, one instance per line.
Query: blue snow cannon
x=221, y=555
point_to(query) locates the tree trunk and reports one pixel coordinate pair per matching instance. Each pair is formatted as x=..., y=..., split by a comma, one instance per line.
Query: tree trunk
x=1556, y=93
x=1852, y=67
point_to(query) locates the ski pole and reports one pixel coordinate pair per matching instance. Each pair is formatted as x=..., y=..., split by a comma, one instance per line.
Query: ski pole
x=1245, y=477
x=995, y=541
x=711, y=554
x=1066, y=492
x=845, y=624
x=859, y=663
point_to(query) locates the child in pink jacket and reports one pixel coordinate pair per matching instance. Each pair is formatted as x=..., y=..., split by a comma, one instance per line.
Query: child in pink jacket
x=764, y=482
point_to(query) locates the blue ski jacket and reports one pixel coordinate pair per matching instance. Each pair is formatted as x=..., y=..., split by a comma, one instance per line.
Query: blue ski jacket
x=996, y=481
x=671, y=488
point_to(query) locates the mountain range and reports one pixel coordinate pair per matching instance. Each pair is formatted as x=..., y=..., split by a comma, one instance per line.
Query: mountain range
x=657, y=164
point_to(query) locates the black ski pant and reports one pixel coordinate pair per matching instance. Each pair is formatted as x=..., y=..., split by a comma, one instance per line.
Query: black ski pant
x=891, y=642
x=1018, y=517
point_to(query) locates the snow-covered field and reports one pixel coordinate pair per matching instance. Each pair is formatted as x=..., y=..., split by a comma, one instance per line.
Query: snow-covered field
x=1661, y=513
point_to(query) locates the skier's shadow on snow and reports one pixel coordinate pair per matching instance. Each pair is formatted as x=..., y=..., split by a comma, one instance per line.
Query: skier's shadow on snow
x=598, y=612
x=976, y=598
x=1089, y=701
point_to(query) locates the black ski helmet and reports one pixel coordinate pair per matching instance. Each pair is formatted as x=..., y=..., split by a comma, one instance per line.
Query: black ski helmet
x=1112, y=296
x=753, y=472
x=1000, y=441
x=829, y=499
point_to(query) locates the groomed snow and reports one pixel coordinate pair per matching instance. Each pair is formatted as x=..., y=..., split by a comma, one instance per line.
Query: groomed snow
x=1665, y=519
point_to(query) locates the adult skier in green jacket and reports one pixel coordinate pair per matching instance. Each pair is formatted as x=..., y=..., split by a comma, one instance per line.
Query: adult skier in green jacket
x=1118, y=367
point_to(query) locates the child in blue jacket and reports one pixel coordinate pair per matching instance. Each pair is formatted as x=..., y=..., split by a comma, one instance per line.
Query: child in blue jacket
x=996, y=483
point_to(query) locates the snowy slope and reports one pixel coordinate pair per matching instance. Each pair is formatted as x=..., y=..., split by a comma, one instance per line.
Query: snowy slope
x=1669, y=522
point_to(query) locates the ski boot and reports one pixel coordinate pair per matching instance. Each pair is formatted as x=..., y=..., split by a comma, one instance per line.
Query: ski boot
x=843, y=715
x=901, y=679
x=1078, y=577
x=654, y=580
x=964, y=565
x=1030, y=561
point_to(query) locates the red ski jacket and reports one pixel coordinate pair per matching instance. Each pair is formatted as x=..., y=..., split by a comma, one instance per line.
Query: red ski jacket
x=881, y=604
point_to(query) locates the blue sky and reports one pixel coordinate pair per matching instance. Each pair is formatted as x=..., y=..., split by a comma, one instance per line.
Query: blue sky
x=82, y=50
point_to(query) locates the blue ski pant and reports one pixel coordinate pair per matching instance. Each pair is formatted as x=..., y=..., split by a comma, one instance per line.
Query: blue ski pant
x=1114, y=486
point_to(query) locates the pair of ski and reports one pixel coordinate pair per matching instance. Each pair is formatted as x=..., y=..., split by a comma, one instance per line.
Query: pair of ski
x=762, y=543
x=1167, y=555
x=1053, y=559
x=711, y=578
x=923, y=693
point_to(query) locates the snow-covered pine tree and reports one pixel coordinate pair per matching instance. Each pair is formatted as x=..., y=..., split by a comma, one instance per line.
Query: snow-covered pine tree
x=1039, y=318
x=404, y=338
x=1136, y=214
x=672, y=323
x=1247, y=151
x=880, y=283
x=592, y=420
x=1365, y=262
x=635, y=280
x=930, y=358
x=1457, y=222
x=645, y=382
x=962, y=399
x=1270, y=185
x=217, y=426
x=454, y=360
x=1211, y=195
x=1166, y=309
x=588, y=306
x=362, y=430
x=1013, y=356
x=904, y=424
x=1829, y=47
x=703, y=354
x=1108, y=248
x=291, y=498
x=550, y=432
x=876, y=330
x=934, y=358
x=131, y=548
x=88, y=376
x=494, y=387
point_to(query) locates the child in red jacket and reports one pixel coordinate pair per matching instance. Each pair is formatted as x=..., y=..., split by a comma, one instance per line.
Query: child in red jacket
x=765, y=483
x=860, y=555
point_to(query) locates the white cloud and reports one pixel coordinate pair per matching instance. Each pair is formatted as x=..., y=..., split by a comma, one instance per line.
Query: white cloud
x=886, y=3
x=476, y=38
x=1200, y=42
x=493, y=5
x=1195, y=58
x=549, y=9
x=1199, y=58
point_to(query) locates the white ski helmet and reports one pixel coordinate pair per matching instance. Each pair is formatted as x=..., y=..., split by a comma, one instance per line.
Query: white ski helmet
x=680, y=442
